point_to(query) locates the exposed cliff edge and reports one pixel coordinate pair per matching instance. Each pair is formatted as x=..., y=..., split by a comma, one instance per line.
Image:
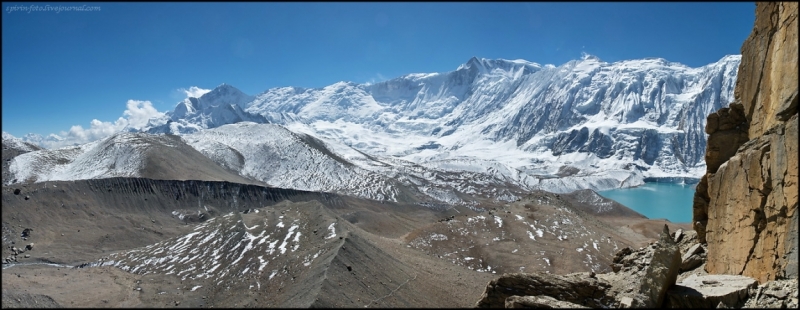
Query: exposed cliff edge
x=745, y=207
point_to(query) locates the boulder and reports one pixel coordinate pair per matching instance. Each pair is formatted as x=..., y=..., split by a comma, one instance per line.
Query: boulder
x=678, y=235
x=662, y=271
x=621, y=254
x=692, y=262
x=708, y=291
x=695, y=249
x=577, y=288
x=542, y=302
x=626, y=302
x=692, y=258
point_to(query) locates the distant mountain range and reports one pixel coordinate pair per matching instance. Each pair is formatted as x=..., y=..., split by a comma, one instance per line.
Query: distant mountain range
x=489, y=129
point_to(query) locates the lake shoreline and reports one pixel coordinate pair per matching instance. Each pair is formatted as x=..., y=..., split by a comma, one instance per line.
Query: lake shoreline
x=658, y=198
x=676, y=180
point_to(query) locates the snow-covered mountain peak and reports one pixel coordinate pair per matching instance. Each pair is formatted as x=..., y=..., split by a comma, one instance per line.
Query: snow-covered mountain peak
x=587, y=56
x=224, y=94
x=475, y=62
x=223, y=105
x=483, y=65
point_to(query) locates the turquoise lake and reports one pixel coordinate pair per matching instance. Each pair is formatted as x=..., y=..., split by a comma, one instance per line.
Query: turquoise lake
x=655, y=200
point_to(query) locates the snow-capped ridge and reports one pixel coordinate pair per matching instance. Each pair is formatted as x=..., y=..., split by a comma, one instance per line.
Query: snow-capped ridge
x=625, y=105
x=11, y=141
x=491, y=123
x=119, y=155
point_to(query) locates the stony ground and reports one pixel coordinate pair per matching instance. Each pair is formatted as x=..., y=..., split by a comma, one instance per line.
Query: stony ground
x=153, y=243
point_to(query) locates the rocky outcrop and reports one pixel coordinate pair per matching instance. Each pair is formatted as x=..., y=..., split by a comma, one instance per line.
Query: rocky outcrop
x=638, y=274
x=581, y=289
x=745, y=206
x=662, y=271
x=641, y=279
x=541, y=302
x=774, y=294
x=709, y=291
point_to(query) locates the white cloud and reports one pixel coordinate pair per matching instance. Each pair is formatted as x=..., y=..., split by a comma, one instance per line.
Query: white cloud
x=194, y=91
x=139, y=112
x=135, y=116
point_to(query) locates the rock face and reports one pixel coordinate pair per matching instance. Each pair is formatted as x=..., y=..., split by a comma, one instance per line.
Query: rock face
x=745, y=207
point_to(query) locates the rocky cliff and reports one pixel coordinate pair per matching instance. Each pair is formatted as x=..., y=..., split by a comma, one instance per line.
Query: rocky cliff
x=745, y=207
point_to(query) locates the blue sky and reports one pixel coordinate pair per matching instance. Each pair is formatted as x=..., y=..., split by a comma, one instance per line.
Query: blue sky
x=68, y=68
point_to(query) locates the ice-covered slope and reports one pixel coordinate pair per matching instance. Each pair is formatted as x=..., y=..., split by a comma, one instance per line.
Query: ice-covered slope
x=248, y=152
x=281, y=158
x=13, y=147
x=116, y=156
x=644, y=114
x=121, y=155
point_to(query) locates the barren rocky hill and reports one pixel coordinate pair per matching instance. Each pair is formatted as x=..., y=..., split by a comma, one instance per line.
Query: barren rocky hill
x=154, y=243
